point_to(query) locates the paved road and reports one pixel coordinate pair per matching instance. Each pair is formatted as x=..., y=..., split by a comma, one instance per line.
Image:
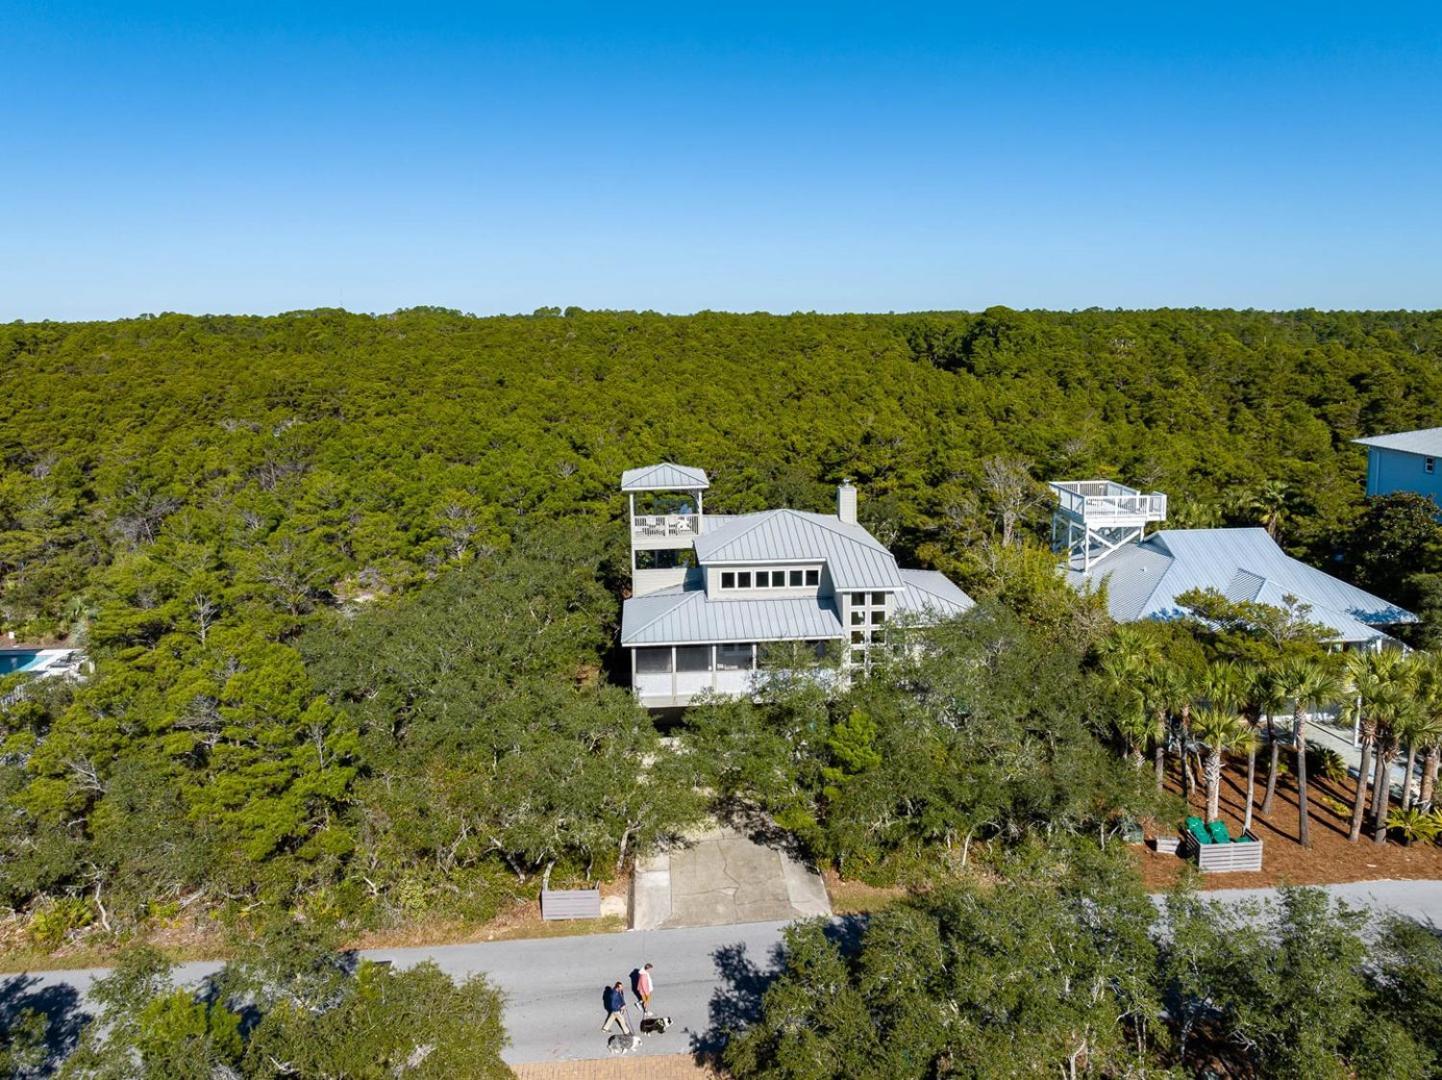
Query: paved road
x=706, y=977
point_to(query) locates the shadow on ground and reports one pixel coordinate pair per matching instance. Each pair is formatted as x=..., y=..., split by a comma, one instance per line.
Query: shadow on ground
x=742, y=983
x=39, y=1025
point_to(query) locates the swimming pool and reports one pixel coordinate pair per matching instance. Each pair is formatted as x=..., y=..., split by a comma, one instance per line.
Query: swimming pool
x=12, y=660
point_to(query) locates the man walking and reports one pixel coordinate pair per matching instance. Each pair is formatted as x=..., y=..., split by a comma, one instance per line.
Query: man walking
x=614, y=999
x=644, y=986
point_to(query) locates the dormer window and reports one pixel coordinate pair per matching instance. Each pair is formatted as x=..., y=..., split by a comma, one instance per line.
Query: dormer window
x=796, y=579
x=728, y=579
x=743, y=579
x=813, y=577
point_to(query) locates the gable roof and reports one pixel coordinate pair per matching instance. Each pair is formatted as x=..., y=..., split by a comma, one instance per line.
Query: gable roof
x=1144, y=580
x=685, y=616
x=855, y=558
x=664, y=477
x=1425, y=441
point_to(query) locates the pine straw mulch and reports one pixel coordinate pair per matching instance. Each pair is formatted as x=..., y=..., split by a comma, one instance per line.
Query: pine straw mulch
x=1331, y=859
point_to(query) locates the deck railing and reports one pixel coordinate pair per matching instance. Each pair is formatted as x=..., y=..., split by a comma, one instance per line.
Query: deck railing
x=1117, y=502
x=666, y=524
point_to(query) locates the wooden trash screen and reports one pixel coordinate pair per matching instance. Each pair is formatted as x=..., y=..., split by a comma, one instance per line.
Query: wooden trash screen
x=1222, y=858
x=570, y=903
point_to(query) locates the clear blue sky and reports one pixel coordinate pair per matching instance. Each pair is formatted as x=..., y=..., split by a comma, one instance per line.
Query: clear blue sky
x=872, y=157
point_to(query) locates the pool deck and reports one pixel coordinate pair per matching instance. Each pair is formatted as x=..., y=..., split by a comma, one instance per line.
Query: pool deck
x=46, y=661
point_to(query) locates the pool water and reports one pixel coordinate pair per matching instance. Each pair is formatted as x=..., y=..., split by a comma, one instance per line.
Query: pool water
x=12, y=660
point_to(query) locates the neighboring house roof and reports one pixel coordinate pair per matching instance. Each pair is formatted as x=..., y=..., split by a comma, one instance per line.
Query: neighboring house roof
x=855, y=558
x=930, y=593
x=664, y=477
x=684, y=616
x=1425, y=441
x=1144, y=580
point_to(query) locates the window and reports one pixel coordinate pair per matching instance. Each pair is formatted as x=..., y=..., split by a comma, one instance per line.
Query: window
x=728, y=579
x=858, y=617
x=653, y=661
x=877, y=617
x=878, y=599
x=1429, y=465
x=858, y=599
x=733, y=657
x=693, y=657
x=743, y=579
x=665, y=559
x=778, y=579
x=813, y=577
x=858, y=656
x=796, y=579
x=763, y=579
x=819, y=648
x=858, y=637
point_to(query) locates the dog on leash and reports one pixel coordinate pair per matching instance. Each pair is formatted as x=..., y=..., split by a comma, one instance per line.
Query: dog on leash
x=623, y=1043
x=655, y=1025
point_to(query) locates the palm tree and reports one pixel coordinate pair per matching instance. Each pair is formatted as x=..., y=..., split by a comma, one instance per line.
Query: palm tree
x=1130, y=661
x=1394, y=707
x=1308, y=682
x=1270, y=701
x=1370, y=679
x=1170, y=691
x=1253, y=694
x=1133, y=720
x=1219, y=730
x=1269, y=503
x=1429, y=707
x=1228, y=687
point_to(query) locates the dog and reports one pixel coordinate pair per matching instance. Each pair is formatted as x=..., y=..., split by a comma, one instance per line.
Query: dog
x=655, y=1025
x=622, y=1043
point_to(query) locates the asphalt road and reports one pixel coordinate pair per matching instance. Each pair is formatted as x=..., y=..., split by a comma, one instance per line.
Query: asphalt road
x=707, y=978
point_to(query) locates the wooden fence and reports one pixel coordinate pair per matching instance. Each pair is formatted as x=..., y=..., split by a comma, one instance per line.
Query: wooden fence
x=1225, y=858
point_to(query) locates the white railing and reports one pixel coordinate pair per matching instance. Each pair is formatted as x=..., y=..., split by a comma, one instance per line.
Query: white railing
x=666, y=524
x=1084, y=500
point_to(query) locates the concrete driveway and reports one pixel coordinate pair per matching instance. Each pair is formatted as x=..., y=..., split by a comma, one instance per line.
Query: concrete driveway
x=723, y=877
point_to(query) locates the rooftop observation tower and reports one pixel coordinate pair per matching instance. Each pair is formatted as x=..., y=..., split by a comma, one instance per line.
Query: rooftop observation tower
x=1094, y=518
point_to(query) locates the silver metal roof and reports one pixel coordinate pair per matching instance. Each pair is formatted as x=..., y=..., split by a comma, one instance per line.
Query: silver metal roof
x=688, y=617
x=1144, y=580
x=855, y=558
x=931, y=594
x=664, y=477
x=1425, y=441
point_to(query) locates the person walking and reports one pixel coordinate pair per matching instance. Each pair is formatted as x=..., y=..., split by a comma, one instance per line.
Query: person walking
x=644, y=986
x=614, y=999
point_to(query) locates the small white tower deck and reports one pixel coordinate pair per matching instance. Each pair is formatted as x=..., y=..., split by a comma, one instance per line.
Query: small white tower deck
x=664, y=533
x=1094, y=518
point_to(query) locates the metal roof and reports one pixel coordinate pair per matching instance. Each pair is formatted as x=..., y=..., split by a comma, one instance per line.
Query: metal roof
x=1144, y=580
x=855, y=558
x=1425, y=441
x=664, y=477
x=931, y=593
x=683, y=617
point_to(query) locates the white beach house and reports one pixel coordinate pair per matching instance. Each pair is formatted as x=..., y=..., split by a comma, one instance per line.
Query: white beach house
x=714, y=594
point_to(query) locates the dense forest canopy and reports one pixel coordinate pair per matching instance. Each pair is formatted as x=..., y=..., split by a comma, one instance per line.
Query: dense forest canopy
x=321, y=453
x=351, y=582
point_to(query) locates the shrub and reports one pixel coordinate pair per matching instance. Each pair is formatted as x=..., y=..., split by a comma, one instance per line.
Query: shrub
x=53, y=923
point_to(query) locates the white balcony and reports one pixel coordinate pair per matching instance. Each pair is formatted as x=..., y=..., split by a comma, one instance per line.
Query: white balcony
x=1106, y=503
x=659, y=526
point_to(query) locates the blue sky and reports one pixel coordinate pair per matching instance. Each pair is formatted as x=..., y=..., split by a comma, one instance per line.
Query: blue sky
x=501, y=157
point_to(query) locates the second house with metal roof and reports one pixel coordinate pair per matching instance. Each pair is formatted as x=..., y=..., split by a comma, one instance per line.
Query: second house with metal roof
x=713, y=595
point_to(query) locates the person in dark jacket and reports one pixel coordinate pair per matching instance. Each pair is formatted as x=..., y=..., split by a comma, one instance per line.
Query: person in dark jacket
x=614, y=999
